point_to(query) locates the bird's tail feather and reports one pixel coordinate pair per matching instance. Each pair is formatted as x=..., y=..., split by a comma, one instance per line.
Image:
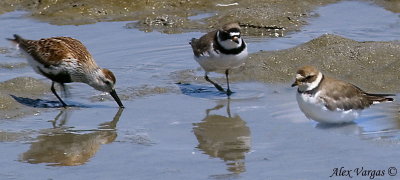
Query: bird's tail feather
x=381, y=97
x=17, y=39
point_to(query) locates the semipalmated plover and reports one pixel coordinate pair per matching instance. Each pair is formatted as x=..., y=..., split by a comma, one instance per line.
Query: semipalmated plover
x=220, y=50
x=66, y=60
x=329, y=100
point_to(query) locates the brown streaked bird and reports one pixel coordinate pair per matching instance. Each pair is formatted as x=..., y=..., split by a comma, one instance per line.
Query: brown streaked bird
x=328, y=100
x=220, y=50
x=65, y=60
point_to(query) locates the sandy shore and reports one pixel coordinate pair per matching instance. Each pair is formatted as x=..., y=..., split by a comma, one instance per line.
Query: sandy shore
x=172, y=16
x=21, y=87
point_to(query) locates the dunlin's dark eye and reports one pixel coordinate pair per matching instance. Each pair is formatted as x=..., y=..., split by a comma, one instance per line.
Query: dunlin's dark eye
x=107, y=83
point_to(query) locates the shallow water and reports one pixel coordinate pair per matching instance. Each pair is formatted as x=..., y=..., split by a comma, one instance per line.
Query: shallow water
x=360, y=21
x=191, y=131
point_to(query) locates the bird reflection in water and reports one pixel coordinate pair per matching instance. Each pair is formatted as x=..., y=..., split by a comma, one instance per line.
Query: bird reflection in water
x=225, y=137
x=379, y=123
x=63, y=147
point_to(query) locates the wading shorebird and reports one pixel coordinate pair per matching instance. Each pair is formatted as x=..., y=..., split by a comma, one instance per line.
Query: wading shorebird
x=65, y=60
x=220, y=50
x=329, y=100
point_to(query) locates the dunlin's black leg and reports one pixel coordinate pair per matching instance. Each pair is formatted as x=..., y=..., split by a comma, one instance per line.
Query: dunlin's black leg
x=228, y=91
x=62, y=117
x=65, y=90
x=228, y=107
x=215, y=84
x=55, y=93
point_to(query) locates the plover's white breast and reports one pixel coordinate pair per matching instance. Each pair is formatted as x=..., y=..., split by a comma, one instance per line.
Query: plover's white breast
x=213, y=61
x=314, y=108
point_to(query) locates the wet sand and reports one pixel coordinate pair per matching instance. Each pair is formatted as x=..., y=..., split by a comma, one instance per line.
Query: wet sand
x=174, y=16
x=393, y=6
x=17, y=88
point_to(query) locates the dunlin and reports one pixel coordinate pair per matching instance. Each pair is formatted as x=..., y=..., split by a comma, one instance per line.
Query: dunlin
x=65, y=60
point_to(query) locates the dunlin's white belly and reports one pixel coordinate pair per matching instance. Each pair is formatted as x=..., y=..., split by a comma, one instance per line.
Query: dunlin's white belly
x=212, y=61
x=314, y=108
x=69, y=66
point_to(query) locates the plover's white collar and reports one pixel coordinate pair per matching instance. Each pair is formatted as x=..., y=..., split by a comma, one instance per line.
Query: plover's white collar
x=229, y=44
x=220, y=50
x=309, y=86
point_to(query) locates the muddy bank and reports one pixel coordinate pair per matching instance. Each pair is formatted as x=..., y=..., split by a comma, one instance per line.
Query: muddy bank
x=21, y=87
x=13, y=65
x=258, y=17
x=267, y=17
x=393, y=5
x=373, y=66
x=262, y=17
x=171, y=16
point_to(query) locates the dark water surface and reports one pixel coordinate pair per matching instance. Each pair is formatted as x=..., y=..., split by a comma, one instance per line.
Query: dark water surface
x=191, y=132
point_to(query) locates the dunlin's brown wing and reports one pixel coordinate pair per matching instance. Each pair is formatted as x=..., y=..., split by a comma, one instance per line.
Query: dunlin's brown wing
x=52, y=51
x=60, y=56
x=75, y=49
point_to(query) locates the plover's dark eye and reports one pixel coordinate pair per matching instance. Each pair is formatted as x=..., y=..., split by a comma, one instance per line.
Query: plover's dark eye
x=307, y=78
x=224, y=35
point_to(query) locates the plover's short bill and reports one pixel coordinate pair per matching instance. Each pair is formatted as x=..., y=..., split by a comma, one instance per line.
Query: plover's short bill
x=329, y=100
x=66, y=60
x=220, y=50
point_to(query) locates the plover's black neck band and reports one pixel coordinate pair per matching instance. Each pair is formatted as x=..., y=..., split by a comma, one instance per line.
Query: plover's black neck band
x=221, y=49
x=312, y=91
